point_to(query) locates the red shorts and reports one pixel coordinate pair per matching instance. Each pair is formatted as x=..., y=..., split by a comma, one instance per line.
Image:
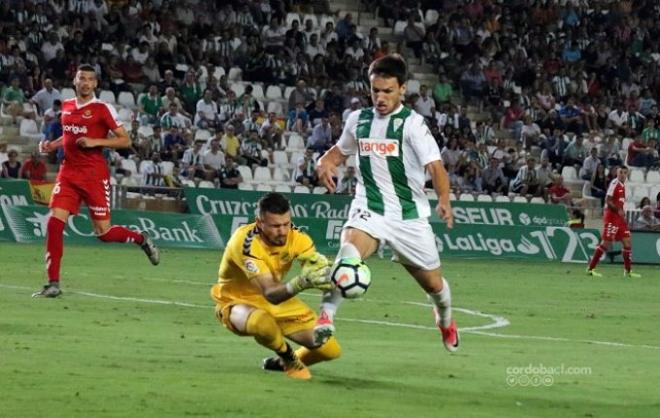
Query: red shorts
x=69, y=192
x=615, y=228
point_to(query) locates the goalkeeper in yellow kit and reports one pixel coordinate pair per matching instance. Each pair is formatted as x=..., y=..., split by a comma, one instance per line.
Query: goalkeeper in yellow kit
x=252, y=298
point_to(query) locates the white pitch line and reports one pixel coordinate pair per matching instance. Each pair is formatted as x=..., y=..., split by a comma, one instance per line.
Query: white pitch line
x=499, y=321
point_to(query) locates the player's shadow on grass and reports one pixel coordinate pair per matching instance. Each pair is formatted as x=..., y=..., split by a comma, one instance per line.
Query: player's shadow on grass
x=356, y=383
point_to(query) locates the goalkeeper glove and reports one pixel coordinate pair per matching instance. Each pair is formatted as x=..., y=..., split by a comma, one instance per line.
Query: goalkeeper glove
x=317, y=277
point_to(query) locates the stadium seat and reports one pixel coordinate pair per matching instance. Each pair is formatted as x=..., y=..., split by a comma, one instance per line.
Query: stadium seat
x=466, y=197
x=262, y=175
x=235, y=74
x=126, y=115
x=68, y=93
x=399, y=27
x=274, y=92
x=639, y=191
x=290, y=17
x=145, y=131
x=313, y=18
x=144, y=164
x=202, y=134
x=29, y=129
x=484, y=198
x=238, y=88
x=280, y=175
x=319, y=190
x=636, y=175
x=431, y=17
x=113, y=181
x=275, y=107
x=537, y=200
x=258, y=92
x=264, y=188
x=205, y=184
x=520, y=199
x=569, y=173
x=301, y=189
x=280, y=158
x=413, y=86
x=168, y=167
x=325, y=19
x=502, y=198
x=219, y=72
x=287, y=91
x=653, y=177
x=246, y=173
x=129, y=165
x=295, y=143
x=245, y=186
x=452, y=196
x=127, y=99
x=107, y=96
x=282, y=188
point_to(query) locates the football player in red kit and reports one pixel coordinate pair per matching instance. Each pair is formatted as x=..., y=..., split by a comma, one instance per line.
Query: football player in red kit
x=615, y=227
x=84, y=175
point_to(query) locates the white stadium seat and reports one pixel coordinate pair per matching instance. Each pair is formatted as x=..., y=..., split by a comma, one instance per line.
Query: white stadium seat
x=107, y=96
x=264, y=188
x=261, y=175
x=290, y=17
x=484, y=198
x=258, y=92
x=275, y=107
x=127, y=99
x=68, y=93
x=245, y=186
x=235, y=74
x=129, y=165
x=274, y=92
x=653, y=177
x=519, y=199
x=282, y=188
x=29, y=129
x=295, y=143
x=319, y=190
x=301, y=189
x=569, y=173
x=452, y=196
x=238, y=88
x=280, y=175
x=503, y=199
x=466, y=197
x=287, y=91
x=537, y=200
x=412, y=86
x=246, y=173
x=205, y=184
x=280, y=158
x=636, y=175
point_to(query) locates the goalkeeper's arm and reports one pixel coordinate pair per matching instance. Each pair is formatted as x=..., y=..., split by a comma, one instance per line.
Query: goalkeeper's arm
x=317, y=277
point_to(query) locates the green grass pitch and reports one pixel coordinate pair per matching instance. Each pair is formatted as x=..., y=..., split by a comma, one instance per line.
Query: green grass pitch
x=131, y=340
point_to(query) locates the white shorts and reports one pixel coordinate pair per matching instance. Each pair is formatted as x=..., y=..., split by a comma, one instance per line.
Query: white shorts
x=412, y=240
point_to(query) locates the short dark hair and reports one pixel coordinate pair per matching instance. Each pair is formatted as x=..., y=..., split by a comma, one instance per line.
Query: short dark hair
x=392, y=65
x=87, y=67
x=273, y=203
x=623, y=167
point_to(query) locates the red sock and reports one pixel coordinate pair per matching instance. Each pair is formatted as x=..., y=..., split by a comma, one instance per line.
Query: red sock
x=598, y=253
x=54, y=247
x=627, y=259
x=121, y=234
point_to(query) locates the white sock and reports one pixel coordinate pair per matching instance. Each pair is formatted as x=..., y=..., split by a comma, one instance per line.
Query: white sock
x=442, y=302
x=331, y=300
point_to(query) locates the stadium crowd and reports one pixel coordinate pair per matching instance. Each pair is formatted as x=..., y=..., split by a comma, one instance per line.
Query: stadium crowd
x=530, y=94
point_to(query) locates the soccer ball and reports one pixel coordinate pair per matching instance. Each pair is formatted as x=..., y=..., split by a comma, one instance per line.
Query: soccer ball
x=351, y=276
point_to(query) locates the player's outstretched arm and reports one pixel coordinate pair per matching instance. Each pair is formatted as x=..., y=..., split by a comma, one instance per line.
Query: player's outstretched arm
x=50, y=146
x=440, y=180
x=326, y=167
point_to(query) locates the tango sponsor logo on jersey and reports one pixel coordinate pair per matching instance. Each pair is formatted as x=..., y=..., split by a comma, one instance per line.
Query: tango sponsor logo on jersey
x=379, y=147
x=75, y=129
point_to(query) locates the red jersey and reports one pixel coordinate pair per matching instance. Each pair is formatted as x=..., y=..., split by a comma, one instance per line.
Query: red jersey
x=94, y=119
x=617, y=191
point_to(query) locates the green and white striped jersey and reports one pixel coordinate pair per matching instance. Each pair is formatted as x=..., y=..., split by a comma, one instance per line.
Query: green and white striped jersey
x=391, y=153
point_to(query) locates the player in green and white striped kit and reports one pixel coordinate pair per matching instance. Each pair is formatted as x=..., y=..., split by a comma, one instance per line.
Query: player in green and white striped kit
x=393, y=148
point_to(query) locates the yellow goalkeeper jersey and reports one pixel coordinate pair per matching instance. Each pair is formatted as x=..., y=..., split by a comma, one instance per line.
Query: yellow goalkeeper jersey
x=247, y=255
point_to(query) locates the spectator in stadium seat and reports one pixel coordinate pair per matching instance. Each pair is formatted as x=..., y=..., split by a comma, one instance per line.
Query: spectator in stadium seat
x=590, y=164
x=530, y=133
x=190, y=92
x=206, y=116
x=174, y=118
x=443, y=91
x=571, y=117
x=213, y=161
x=526, y=181
x=558, y=193
x=174, y=144
x=230, y=177
x=273, y=36
x=425, y=105
x=154, y=172
x=12, y=167
x=640, y=154
x=348, y=182
x=544, y=173
x=13, y=99
x=354, y=105
x=343, y=28
x=151, y=71
x=150, y=106
x=298, y=120
x=492, y=178
x=46, y=97
x=317, y=111
x=305, y=172
x=599, y=184
x=646, y=220
x=34, y=168
x=575, y=152
x=650, y=131
x=251, y=151
x=193, y=160
x=321, y=138
x=300, y=95
x=230, y=142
